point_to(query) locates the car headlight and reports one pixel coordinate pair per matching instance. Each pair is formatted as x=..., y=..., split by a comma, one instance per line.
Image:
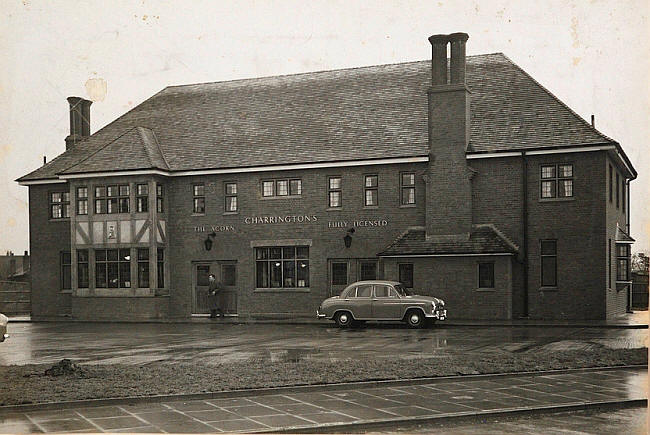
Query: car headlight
x=433, y=305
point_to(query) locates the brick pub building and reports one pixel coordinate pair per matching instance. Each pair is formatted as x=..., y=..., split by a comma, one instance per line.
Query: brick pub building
x=462, y=178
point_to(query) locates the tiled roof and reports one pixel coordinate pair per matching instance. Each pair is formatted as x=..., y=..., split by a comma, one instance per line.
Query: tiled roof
x=622, y=236
x=351, y=114
x=484, y=239
x=137, y=149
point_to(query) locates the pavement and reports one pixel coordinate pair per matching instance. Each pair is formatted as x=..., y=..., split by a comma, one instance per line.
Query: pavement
x=217, y=342
x=342, y=408
x=636, y=319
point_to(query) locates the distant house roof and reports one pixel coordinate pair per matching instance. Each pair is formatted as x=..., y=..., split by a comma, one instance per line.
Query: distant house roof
x=484, y=239
x=351, y=114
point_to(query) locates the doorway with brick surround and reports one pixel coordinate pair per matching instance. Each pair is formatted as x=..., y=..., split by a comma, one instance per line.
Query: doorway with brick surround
x=226, y=273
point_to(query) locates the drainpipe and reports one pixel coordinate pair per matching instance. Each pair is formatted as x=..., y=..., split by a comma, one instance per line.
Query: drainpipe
x=524, y=164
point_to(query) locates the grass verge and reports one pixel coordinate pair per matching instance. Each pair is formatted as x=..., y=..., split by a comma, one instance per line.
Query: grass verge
x=30, y=384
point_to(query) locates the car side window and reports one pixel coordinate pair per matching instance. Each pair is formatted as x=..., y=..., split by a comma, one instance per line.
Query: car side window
x=393, y=293
x=351, y=293
x=382, y=291
x=363, y=291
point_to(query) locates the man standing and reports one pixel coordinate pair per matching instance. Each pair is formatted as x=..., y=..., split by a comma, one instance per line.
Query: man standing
x=214, y=297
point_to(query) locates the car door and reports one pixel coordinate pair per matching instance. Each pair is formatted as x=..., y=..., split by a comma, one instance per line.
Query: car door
x=386, y=304
x=361, y=305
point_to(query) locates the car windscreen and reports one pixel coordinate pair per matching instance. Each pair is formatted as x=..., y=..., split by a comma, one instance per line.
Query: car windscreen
x=403, y=291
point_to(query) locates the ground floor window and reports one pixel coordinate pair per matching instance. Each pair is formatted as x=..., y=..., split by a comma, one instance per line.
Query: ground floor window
x=367, y=270
x=66, y=274
x=406, y=274
x=143, y=267
x=160, y=261
x=549, y=263
x=113, y=268
x=340, y=273
x=622, y=262
x=486, y=275
x=282, y=267
x=228, y=274
x=82, y=268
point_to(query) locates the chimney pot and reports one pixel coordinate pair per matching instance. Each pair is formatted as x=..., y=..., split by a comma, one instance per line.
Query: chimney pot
x=458, y=59
x=439, y=59
x=79, y=120
x=593, y=121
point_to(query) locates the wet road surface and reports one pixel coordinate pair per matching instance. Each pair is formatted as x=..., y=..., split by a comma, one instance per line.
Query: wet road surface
x=109, y=343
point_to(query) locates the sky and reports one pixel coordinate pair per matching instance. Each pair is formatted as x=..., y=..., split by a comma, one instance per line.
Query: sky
x=594, y=55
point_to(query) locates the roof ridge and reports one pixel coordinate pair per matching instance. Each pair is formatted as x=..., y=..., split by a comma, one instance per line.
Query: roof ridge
x=98, y=149
x=499, y=233
x=160, y=149
x=552, y=95
x=144, y=142
x=322, y=71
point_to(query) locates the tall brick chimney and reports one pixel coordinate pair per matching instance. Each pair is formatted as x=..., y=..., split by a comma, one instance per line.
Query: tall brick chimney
x=449, y=190
x=79, y=120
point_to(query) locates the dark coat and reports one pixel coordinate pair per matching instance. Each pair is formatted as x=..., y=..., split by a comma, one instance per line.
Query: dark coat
x=215, y=295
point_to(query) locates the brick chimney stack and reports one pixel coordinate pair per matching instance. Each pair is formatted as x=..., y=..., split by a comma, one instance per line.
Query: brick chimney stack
x=79, y=120
x=449, y=204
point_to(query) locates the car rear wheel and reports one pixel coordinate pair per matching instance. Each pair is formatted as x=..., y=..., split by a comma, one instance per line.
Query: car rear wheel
x=415, y=319
x=343, y=319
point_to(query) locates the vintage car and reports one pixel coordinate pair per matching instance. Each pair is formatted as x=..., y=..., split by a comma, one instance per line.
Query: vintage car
x=3, y=327
x=381, y=300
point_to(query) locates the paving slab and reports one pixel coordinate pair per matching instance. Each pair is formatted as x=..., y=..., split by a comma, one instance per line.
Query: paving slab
x=357, y=405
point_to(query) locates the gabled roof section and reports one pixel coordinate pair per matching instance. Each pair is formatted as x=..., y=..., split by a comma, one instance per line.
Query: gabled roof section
x=484, y=239
x=330, y=116
x=622, y=236
x=137, y=148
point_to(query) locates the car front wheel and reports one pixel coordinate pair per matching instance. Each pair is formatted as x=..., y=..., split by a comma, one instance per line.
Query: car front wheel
x=343, y=319
x=415, y=319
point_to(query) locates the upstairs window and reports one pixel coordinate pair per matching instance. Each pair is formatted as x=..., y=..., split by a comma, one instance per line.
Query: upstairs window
x=371, y=186
x=407, y=188
x=123, y=198
x=82, y=200
x=618, y=188
x=282, y=187
x=159, y=198
x=556, y=181
x=231, y=197
x=334, y=192
x=549, y=263
x=112, y=199
x=198, y=201
x=59, y=205
x=142, y=198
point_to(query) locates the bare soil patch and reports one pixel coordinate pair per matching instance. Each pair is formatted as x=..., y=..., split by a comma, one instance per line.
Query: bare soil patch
x=30, y=383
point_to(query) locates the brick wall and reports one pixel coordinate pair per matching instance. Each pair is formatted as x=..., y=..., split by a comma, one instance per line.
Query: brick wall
x=47, y=238
x=455, y=280
x=186, y=245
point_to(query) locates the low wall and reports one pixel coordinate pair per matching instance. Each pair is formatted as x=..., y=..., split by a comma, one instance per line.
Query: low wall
x=15, y=298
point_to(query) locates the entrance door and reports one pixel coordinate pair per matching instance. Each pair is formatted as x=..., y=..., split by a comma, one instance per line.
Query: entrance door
x=226, y=273
x=339, y=275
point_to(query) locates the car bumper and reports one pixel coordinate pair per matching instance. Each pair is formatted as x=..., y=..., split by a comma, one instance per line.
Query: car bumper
x=438, y=314
x=4, y=337
x=320, y=315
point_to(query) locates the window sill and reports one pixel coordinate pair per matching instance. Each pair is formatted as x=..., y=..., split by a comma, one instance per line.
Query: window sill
x=66, y=292
x=408, y=206
x=334, y=209
x=371, y=207
x=230, y=213
x=283, y=290
x=571, y=198
x=548, y=289
x=197, y=214
x=59, y=219
x=266, y=198
x=486, y=289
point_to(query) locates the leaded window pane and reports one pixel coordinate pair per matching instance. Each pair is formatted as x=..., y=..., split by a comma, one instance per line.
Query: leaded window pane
x=282, y=187
x=267, y=188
